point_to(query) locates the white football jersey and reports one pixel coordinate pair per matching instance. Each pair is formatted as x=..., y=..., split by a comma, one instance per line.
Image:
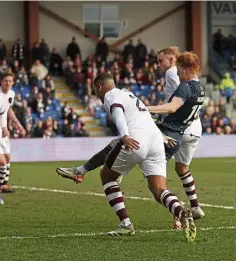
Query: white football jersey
x=6, y=101
x=172, y=82
x=136, y=114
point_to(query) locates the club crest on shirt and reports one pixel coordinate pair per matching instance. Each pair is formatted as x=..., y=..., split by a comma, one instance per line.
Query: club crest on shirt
x=10, y=100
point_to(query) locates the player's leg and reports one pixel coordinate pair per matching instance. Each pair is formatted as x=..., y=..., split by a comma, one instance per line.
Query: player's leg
x=6, y=150
x=183, y=159
x=6, y=188
x=96, y=161
x=118, y=162
x=3, y=170
x=154, y=168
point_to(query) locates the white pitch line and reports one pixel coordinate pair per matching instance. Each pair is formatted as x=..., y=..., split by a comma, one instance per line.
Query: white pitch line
x=104, y=234
x=103, y=195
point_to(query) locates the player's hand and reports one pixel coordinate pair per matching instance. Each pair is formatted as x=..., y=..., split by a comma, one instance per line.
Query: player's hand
x=5, y=132
x=130, y=143
x=170, y=142
x=22, y=132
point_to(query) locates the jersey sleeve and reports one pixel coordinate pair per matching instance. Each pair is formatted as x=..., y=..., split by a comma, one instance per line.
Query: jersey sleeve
x=112, y=101
x=183, y=91
x=172, y=83
x=120, y=121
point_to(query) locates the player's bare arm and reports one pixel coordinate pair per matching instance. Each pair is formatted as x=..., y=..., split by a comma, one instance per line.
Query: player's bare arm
x=167, y=108
x=18, y=125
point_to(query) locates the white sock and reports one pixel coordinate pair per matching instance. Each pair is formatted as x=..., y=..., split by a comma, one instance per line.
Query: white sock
x=126, y=222
x=81, y=170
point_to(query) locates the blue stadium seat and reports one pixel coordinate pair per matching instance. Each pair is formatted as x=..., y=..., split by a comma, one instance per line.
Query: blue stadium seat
x=50, y=107
x=134, y=87
x=103, y=120
x=145, y=87
x=139, y=93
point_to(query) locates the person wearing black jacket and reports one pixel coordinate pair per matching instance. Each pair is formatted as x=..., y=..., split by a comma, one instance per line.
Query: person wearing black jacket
x=3, y=50
x=102, y=49
x=73, y=49
x=129, y=51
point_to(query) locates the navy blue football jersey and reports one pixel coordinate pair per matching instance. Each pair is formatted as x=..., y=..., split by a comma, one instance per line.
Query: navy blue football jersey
x=193, y=94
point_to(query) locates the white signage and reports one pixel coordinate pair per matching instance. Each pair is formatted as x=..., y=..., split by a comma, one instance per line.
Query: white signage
x=223, y=13
x=72, y=149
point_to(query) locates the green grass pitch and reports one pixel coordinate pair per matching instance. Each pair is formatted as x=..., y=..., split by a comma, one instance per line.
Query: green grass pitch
x=46, y=225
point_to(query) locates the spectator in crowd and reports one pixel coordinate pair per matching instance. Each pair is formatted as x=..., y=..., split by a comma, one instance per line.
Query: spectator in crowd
x=72, y=116
x=65, y=111
x=18, y=51
x=39, y=131
x=44, y=51
x=217, y=40
x=3, y=50
x=227, y=87
x=41, y=106
x=49, y=133
x=48, y=83
x=80, y=128
x=129, y=51
x=22, y=77
x=73, y=49
x=79, y=80
x=15, y=67
x=29, y=130
x=140, y=54
x=66, y=63
x=152, y=57
x=28, y=116
x=37, y=53
x=70, y=130
x=102, y=50
x=39, y=69
x=19, y=109
x=3, y=67
x=55, y=63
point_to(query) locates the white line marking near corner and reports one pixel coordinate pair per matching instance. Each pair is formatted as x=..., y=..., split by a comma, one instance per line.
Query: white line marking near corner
x=103, y=195
x=103, y=234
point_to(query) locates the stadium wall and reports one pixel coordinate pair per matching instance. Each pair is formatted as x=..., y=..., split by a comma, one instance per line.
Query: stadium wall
x=12, y=21
x=135, y=14
x=72, y=149
x=204, y=38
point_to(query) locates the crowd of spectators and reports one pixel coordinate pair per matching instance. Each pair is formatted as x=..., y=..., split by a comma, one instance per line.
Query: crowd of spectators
x=35, y=105
x=134, y=68
x=215, y=120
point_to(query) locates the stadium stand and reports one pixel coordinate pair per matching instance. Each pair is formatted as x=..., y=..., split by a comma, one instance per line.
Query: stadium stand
x=64, y=104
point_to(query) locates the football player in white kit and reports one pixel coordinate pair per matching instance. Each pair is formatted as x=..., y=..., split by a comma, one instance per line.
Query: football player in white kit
x=183, y=157
x=6, y=101
x=141, y=142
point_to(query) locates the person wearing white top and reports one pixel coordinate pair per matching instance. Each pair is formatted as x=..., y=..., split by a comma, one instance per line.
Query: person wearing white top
x=6, y=101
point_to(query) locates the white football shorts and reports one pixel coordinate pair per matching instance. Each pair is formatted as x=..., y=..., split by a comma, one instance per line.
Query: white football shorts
x=187, y=148
x=4, y=146
x=150, y=156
